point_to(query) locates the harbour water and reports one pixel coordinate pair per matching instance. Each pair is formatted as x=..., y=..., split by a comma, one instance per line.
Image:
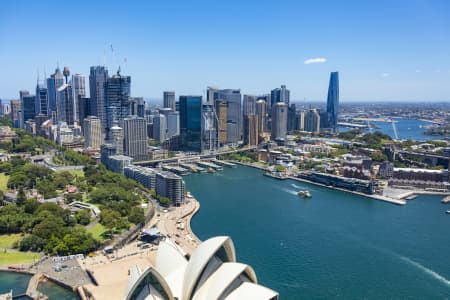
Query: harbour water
x=19, y=282
x=333, y=246
x=406, y=129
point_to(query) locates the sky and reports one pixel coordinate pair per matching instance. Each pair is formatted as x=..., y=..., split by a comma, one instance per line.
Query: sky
x=384, y=50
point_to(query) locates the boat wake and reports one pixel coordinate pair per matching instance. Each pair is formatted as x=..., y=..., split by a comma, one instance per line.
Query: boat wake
x=426, y=270
x=295, y=186
x=290, y=192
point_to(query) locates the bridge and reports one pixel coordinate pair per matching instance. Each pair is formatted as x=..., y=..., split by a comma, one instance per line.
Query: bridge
x=184, y=158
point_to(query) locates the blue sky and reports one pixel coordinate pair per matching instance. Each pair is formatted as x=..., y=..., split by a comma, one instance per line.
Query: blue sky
x=384, y=50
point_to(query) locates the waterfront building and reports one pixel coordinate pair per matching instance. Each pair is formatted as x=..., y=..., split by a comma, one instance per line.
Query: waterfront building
x=249, y=105
x=41, y=104
x=135, y=138
x=55, y=81
x=92, y=130
x=143, y=175
x=312, y=121
x=97, y=79
x=190, y=122
x=160, y=128
x=234, y=113
x=169, y=100
x=279, y=121
x=170, y=186
x=79, y=90
x=333, y=101
x=117, y=90
x=351, y=184
x=261, y=112
x=386, y=170
x=416, y=174
x=212, y=272
x=117, y=163
x=251, y=135
x=173, y=124
x=221, y=110
x=209, y=128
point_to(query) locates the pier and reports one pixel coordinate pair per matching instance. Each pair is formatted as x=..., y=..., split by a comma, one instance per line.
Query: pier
x=205, y=164
x=32, y=291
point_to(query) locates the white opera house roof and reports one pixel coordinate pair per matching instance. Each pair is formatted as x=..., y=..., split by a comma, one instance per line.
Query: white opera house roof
x=211, y=273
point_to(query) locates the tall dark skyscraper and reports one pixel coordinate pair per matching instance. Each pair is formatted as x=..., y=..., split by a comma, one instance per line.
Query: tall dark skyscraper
x=333, y=101
x=279, y=120
x=97, y=80
x=41, y=99
x=79, y=90
x=117, y=90
x=191, y=123
x=281, y=94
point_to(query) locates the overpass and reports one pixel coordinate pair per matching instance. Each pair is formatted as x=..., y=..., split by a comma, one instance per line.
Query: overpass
x=147, y=163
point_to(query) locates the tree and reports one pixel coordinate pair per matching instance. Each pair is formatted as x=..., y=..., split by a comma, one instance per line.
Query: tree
x=279, y=168
x=31, y=205
x=136, y=215
x=21, y=197
x=83, y=216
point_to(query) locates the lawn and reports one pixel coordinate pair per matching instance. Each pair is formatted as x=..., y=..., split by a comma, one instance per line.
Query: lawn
x=13, y=257
x=4, y=182
x=78, y=173
x=97, y=231
x=7, y=240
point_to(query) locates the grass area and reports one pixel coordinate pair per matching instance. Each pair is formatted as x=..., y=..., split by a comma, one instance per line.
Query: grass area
x=97, y=231
x=15, y=257
x=78, y=173
x=7, y=240
x=4, y=182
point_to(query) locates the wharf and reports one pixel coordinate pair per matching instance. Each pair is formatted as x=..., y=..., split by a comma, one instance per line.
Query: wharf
x=205, y=164
x=223, y=163
x=193, y=168
x=32, y=291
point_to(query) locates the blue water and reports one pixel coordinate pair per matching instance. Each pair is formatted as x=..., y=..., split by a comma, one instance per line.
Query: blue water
x=406, y=129
x=333, y=246
x=19, y=282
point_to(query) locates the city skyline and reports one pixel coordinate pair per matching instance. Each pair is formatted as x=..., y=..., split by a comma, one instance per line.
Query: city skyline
x=168, y=47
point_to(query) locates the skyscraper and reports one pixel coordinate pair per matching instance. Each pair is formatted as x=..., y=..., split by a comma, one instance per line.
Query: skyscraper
x=279, y=120
x=312, y=121
x=249, y=105
x=221, y=111
x=135, y=137
x=16, y=112
x=55, y=81
x=251, y=134
x=292, y=118
x=190, y=122
x=79, y=90
x=173, y=124
x=234, y=114
x=41, y=99
x=261, y=113
x=160, y=128
x=169, y=100
x=117, y=138
x=280, y=95
x=209, y=128
x=84, y=108
x=117, y=89
x=210, y=95
x=97, y=79
x=27, y=108
x=333, y=101
x=92, y=131
x=137, y=106
x=64, y=107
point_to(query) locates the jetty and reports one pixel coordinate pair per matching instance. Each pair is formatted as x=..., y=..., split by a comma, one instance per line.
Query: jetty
x=207, y=165
x=32, y=291
x=223, y=163
x=193, y=168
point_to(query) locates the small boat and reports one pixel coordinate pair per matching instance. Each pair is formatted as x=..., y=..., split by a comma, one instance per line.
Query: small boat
x=211, y=170
x=448, y=212
x=412, y=197
x=305, y=194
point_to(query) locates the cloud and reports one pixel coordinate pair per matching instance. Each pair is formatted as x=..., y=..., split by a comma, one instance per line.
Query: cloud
x=385, y=75
x=315, y=60
x=418, y=71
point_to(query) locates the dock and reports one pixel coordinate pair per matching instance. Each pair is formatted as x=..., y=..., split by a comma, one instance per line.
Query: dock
x=32, y=291
x=177, y=170
x=193, y=168
x=207, y=165
x=223, y=163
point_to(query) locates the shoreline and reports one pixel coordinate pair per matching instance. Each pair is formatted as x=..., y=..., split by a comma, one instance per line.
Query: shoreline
x=375, y=197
